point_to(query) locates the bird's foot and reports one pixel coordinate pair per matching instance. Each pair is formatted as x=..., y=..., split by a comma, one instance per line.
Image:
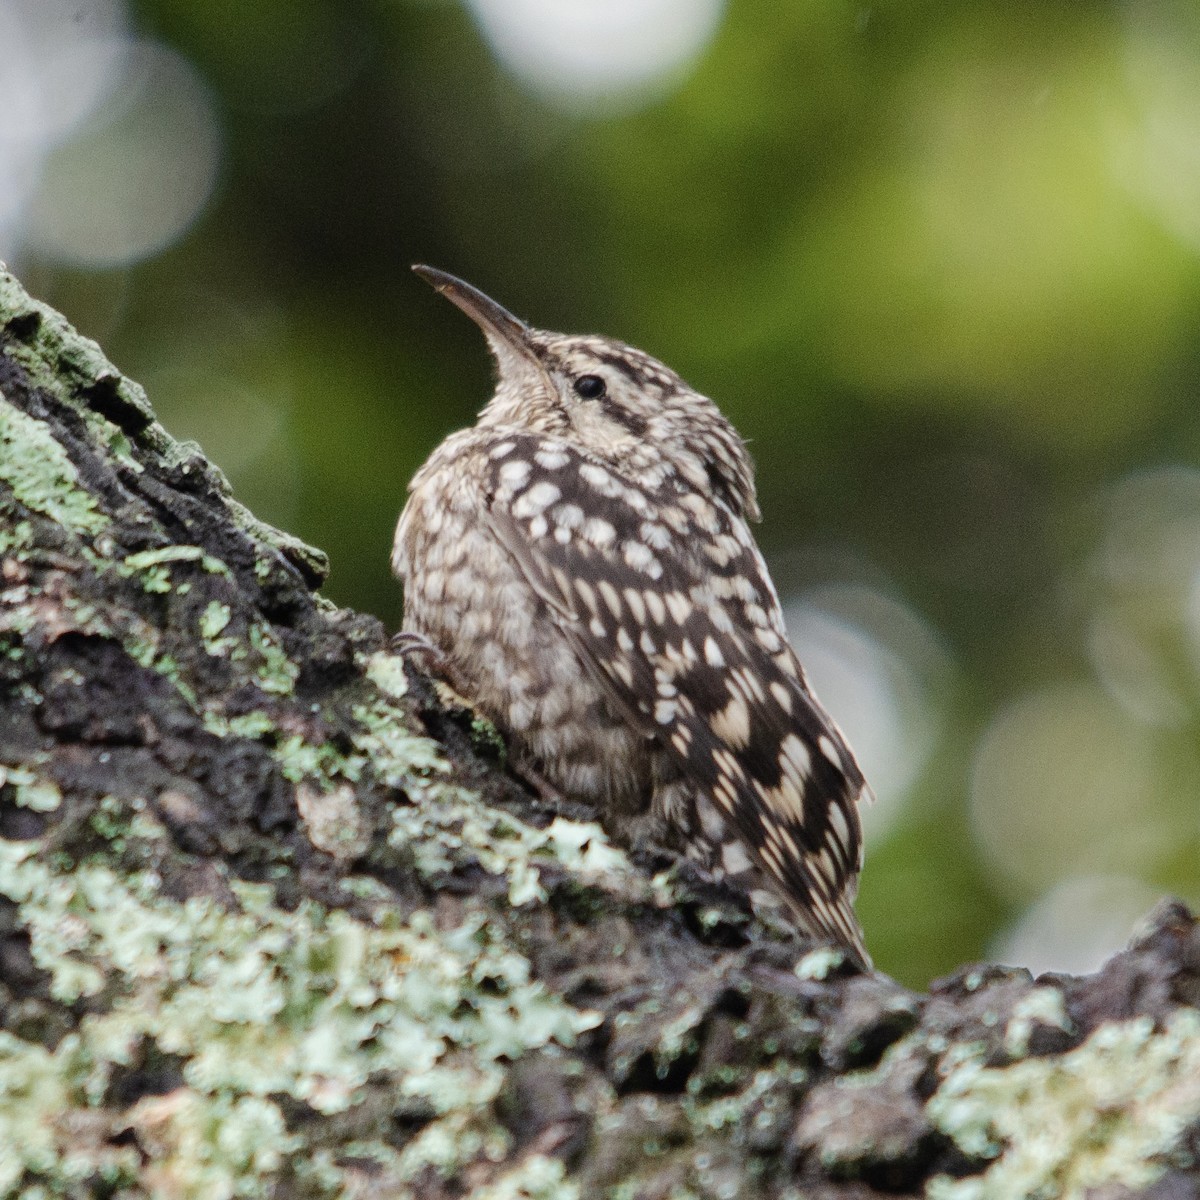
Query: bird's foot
x=412, y=645
x=549, y=796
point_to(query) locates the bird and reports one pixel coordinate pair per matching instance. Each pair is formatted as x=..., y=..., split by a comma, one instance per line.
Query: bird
x=580, y=560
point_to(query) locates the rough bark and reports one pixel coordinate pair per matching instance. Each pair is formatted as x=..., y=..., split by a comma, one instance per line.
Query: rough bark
x=274, y=921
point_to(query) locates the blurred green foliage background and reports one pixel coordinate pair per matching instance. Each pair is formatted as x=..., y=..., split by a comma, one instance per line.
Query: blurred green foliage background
x=938, y=260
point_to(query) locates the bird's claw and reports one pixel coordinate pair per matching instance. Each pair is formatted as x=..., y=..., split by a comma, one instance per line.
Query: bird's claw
x=408, y=644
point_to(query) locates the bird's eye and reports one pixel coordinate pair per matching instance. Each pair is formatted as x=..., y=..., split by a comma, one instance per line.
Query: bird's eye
x=590, y=387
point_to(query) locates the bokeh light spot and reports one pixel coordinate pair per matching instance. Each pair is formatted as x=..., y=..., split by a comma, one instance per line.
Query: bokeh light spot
x=589, y=53
x=1143, y=635
x=1077, y=925
x=135, y=177
x=61, y=60
x=1130, y=670
x=1064, y=782
x=968, y=263
x=1155, y=151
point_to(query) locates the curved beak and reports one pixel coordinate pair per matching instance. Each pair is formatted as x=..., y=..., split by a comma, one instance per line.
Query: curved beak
x=522, y=379
x=504, y=332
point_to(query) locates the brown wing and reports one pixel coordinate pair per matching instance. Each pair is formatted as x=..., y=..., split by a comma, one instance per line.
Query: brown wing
x=667, y=601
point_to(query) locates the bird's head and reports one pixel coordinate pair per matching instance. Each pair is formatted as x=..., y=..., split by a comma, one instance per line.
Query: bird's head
x=610, y=399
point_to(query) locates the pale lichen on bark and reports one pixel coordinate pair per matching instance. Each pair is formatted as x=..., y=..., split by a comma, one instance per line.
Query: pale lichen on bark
x=274, y=920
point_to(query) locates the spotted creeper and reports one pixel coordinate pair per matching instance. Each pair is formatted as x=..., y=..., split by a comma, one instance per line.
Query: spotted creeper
x=581, y=561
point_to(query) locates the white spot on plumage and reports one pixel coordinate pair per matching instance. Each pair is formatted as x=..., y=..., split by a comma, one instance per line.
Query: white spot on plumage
x=636, y=606
x=712, y=653
x=768, y=639
x=830, y=751
x=789, y=843
x=599, y=532
x=552, y=457
x=826, y=866
x=514, y=474
x=711, y=821
x=600, y=479
x=588, y=595
x=656, y=536
x=676, y=518
x=679, y=605
x=734, y=858
x=721, y=587
x=610, y=597
x=560, y=578
x=434, y=586
x=435, y=518
x=787, y=663
x=568, y=516
x=717, y=553
x=700, y=508
x=756, y=615
x=782, y=801
x=728, y=765
x=536, y=499
x=744, y=589
x=732, y=723
x=794, y=759
x=720, y=620
x=726, y=794
x=636, y=500
x=774, y=856
x=782, y=696
x=655, y=607
x=520, y=714
x=839, y=826
x=751, y=684
x=640, y=557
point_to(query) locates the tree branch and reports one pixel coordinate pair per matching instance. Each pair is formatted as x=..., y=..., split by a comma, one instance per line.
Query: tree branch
x=275, y=921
